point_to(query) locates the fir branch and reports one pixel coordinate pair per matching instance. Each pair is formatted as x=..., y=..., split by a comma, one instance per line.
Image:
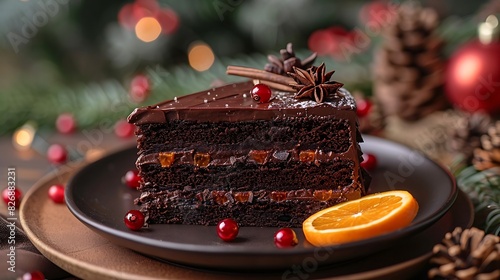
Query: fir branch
x=455, y=31
x=484, y=190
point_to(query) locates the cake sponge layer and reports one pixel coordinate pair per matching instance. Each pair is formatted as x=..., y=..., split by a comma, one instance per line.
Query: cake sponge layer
x=324, y=133
x=187, y=207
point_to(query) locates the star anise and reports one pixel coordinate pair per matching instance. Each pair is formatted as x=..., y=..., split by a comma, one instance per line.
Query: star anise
x=288, y=61
x=314, y=83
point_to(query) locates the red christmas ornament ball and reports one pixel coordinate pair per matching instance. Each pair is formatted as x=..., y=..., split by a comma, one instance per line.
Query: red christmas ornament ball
x=472, y=81
x=331, y=41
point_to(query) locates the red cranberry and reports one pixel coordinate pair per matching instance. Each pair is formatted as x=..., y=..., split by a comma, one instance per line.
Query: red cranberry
x=363, y=107
x=134, y=219
x=132, y=179
x=65, y=123
x=14, y=194
x=369, y=162
x=56, y=193
x=261, y=93
x=57, y=154
x=139, y=88
x=123, y=129
x=34, y=275
x=285, y=238
x=227, y=229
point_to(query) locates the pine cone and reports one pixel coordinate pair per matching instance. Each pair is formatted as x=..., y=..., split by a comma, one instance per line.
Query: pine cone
x=465, y=136
x=288, y=61
x=408, y=68
x=466, y=254
x=488, y=155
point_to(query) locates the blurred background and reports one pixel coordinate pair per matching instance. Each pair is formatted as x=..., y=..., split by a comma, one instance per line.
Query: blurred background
x=61, y=56
x=424, y=73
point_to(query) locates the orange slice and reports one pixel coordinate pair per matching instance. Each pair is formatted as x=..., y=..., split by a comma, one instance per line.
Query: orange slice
x=362, y=218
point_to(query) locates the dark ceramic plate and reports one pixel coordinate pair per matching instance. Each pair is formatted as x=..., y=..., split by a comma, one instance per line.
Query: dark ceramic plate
x=96, y=196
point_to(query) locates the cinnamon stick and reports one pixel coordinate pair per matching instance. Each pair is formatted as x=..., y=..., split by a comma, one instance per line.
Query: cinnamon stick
x=275, y=85
x=259, y=74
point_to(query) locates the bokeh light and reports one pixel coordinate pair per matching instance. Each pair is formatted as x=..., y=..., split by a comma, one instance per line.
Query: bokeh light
x=148, y=29
x=200, y=56
x=23, y=137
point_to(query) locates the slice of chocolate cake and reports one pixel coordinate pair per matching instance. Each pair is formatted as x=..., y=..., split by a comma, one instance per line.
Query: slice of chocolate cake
x=220, y=154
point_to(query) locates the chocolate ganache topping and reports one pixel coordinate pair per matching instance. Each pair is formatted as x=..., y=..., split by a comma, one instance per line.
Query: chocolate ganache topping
x=234, y=103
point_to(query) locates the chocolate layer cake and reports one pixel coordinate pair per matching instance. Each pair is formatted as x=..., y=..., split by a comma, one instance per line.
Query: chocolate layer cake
x=219, y=154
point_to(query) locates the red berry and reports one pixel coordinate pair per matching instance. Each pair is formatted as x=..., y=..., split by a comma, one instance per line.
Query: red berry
x=139, y=88
x=124, y=129
x=65, y=123
x=12, y=197
x=227, y=229
x=363, y=107
x=285, y=238
x=261, y=93
x=134, y=219
x=34, y=275
x=132, y=179
x=369, y=162
x=56, y=193
x=57, y=154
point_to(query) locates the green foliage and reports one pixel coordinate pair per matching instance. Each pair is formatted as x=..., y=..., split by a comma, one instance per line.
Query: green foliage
x=89, y=104
x=456, y=31
x=483, y=187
